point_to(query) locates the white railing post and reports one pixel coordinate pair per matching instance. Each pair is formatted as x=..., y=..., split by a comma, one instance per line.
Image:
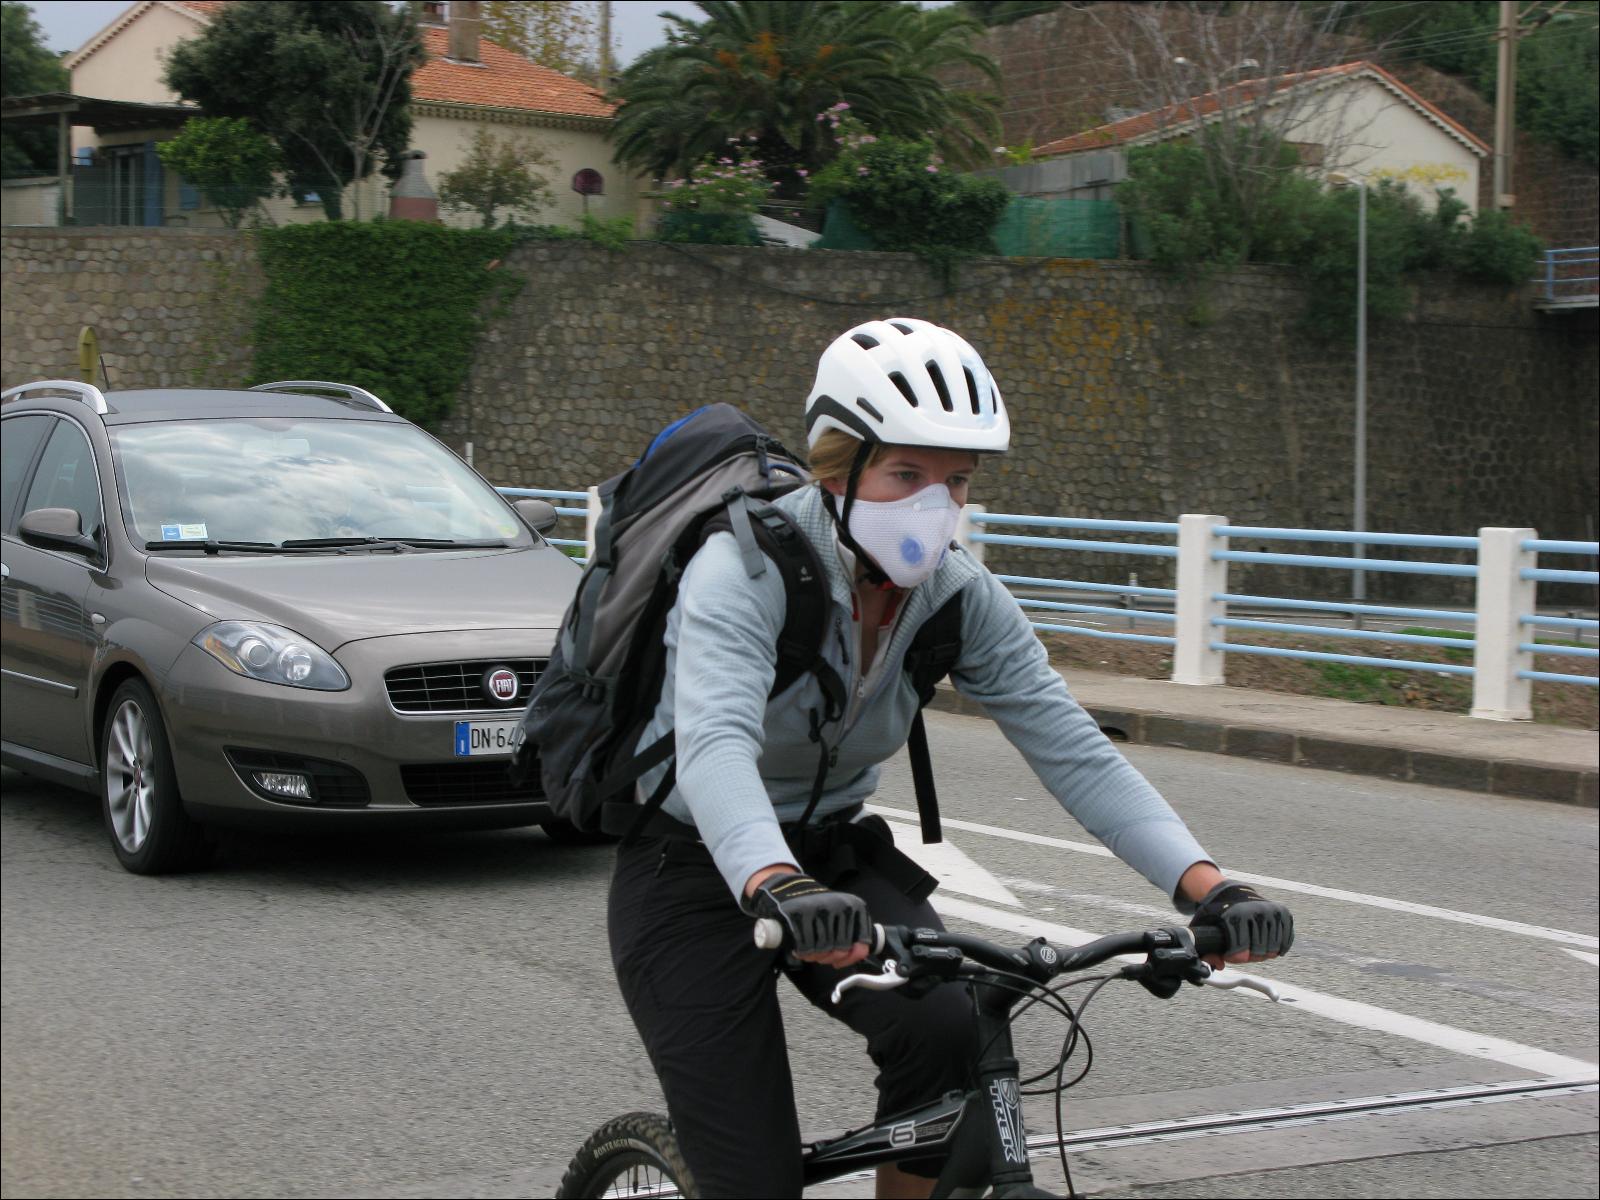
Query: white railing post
x=965, y=528
x=1504, y=596
x=591, y=518
x=1200, y=579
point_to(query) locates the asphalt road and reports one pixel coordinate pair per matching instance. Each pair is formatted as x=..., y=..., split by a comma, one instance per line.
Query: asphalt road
x=436, y=1015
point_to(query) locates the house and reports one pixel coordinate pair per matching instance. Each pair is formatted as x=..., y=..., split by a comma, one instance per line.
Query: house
x=1352, y=121
x=465, y=85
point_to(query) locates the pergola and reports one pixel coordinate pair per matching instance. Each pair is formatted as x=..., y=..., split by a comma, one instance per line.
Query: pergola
x=63, y=110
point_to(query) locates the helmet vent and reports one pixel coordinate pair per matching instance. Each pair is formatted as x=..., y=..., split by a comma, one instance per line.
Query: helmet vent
x=861, y=403
x=902, y=328
x=972, y=389
x=940, y=386
x=899, y=381
x=865, y=340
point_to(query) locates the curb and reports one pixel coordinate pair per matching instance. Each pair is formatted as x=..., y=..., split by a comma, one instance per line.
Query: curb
x=1468, y=773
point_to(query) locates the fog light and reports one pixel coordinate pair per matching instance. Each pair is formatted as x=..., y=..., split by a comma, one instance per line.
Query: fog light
x=284, y=783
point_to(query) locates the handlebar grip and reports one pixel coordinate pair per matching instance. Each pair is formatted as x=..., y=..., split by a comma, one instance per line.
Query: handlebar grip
x=769, y=935
x=1209, y=939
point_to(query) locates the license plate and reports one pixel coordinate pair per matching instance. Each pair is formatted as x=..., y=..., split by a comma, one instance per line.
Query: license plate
x=487, y=737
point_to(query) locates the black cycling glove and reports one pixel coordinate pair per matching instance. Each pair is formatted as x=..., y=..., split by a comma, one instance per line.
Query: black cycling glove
x=1251, y=921
x=818, y=919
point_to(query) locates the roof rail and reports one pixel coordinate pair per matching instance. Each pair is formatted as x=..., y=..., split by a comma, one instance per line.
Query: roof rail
x=87, y=392
x=348, y=390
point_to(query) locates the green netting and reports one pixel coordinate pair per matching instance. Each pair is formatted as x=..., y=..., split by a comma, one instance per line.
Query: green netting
x=1043, y=228
x=1028, y=228
x=839, y=232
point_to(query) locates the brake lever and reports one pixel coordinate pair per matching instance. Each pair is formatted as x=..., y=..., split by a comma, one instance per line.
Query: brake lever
x=892, y=977
x=1227, y=980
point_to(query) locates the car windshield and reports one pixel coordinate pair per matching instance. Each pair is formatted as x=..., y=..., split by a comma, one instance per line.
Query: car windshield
x=277, y=480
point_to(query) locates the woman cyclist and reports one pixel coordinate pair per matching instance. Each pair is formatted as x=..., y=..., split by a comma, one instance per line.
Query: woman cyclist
x=897, y=422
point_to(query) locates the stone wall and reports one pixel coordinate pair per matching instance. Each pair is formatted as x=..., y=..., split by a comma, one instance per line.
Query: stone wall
x=170, y=307
x=1132, y=397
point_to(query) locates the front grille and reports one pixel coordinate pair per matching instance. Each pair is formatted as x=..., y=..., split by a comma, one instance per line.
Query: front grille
x=446, y=783
x=333, y=785
x=457, y=686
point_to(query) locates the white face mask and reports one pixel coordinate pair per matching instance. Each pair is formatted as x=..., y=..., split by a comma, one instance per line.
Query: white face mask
x=907, y=538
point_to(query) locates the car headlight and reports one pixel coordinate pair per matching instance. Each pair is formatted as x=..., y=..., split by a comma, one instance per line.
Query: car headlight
x=272, y=654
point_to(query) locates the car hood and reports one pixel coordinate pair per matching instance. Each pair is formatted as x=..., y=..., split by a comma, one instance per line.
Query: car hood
x=337, y=598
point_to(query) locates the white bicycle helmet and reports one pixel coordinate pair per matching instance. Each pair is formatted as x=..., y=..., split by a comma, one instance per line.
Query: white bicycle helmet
x=908, y=383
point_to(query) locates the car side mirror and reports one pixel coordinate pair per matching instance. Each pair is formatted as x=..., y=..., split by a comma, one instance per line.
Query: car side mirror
x=57, y=529
x=539, y=514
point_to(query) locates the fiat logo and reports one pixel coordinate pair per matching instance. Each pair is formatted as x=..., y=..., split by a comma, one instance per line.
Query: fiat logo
x=500, y=684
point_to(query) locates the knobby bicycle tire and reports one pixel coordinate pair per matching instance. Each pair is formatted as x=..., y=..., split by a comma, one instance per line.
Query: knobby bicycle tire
x=637, y=1151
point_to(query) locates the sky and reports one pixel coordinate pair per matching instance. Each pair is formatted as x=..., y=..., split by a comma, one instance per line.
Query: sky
x=67, y=24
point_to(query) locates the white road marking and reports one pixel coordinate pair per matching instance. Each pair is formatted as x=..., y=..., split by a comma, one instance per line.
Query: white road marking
x=953, y=869
x=1286, y=885
x=1346, y=1012
x=1592, y=959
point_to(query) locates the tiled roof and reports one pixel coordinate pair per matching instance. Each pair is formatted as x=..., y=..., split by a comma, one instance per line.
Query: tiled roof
x=1179, y=116
x=503, y=80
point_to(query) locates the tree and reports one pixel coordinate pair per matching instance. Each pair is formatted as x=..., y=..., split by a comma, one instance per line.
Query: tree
x=558, y=34
x=27, y=68
x=1004, y=12
x=1558, y=58
x=1232, y=78
x=497, y=173
x=763, y=72
x=330, y=83
x=229, y=160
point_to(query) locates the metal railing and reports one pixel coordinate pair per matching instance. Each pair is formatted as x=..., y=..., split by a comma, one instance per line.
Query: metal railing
x=1556, y=279
x=1194, y=617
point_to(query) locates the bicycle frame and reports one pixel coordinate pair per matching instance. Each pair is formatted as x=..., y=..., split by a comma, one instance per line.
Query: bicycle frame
x=979, y=1129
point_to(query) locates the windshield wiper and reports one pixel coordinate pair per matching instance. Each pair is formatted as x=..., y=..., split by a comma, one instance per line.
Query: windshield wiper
x=337, y=543
x=213, y=546
x=450, y=543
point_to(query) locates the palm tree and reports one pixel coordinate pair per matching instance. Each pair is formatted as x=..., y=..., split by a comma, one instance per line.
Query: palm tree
x=760, y=72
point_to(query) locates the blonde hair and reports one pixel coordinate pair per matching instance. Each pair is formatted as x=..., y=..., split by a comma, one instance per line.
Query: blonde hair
x=835, y=453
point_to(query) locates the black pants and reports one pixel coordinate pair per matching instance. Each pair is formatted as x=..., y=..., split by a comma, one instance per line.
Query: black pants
x=705, y=1002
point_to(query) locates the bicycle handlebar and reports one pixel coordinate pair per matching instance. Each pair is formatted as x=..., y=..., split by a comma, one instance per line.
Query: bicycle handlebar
x=1170, y=952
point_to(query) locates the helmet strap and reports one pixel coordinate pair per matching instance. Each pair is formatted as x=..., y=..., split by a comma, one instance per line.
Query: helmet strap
x=842, y=520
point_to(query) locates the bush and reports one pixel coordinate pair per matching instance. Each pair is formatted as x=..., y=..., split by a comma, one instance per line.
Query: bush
x=1191, y=222
x=234, y=164
x=391, y=306
x=897, y=194
x=716, y=204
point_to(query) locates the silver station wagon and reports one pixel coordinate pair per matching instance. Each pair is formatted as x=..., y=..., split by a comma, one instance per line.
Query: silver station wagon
x=286, y=605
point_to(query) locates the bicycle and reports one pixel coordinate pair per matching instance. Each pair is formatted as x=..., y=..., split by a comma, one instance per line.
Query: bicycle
x=980, y=1129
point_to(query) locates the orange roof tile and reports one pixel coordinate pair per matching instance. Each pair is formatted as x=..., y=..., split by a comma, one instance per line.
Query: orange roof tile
x=504, y=80
x=1186, y=112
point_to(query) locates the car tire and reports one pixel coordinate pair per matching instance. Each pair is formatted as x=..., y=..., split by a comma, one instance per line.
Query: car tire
x=151, y=833
x=568, y=834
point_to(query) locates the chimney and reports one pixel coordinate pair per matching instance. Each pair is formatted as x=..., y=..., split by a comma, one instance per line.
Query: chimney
x=429, y=12
x=412, y=198
x=464, y=26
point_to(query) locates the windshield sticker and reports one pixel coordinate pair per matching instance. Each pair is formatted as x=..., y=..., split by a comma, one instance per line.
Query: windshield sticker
x=184, y=533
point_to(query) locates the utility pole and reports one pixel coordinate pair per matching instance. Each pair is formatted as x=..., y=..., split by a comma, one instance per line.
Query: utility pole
x=1359, y=577
x=1505, y=110
x=605, y=45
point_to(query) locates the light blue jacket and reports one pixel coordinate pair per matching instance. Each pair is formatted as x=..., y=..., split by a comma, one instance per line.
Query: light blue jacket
x=745, y=764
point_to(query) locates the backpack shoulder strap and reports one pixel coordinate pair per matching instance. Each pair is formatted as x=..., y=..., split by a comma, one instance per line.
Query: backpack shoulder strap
x=932, y=655
x=935, y=649
x=805, y=621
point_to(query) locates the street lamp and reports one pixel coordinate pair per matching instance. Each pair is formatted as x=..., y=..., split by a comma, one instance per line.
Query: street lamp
x=1358, y=586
